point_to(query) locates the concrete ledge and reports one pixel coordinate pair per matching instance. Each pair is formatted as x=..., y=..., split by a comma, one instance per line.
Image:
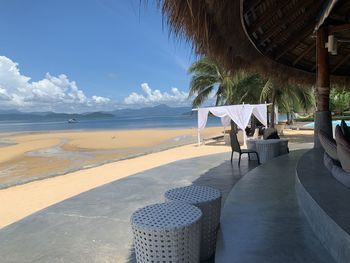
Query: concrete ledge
x=261, y=220
x=325, y=204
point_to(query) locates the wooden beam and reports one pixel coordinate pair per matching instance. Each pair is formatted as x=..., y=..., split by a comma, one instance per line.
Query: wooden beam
x=304, y=53
x=325, y=13
x=338, y=28
x=295, y=33
x=341, y=62
x=323, y=117
x=268, y=13
x=277, y=29
x=322, y=74
x=295, y=40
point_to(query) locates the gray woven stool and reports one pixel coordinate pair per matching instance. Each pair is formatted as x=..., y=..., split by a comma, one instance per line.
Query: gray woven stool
x=251, y=145
x=167, y=232
x=208, y=200
x=267, y=149
x=284, y=146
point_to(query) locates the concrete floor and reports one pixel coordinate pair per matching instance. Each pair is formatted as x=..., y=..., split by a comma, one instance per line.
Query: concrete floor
x=262, y=221
x=94, y=226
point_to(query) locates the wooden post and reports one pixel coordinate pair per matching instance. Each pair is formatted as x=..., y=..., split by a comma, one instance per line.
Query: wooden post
x=323, y=119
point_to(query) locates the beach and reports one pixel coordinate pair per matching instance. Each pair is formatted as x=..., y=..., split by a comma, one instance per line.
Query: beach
x=22, y=200
x=62, y=152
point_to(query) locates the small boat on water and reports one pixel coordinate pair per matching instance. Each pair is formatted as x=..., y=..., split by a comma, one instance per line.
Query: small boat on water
x=72, y=120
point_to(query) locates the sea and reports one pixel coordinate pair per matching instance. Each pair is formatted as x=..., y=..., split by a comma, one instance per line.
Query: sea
x=111, y=123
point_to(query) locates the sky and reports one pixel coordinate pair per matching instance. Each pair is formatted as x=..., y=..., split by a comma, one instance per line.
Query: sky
x=88, y=55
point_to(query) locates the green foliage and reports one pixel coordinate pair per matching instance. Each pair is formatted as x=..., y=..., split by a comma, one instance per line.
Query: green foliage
x=339, y=100
x=288, y=97
x=210, y=78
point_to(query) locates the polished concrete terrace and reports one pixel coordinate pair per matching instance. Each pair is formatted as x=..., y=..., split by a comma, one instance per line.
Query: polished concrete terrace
x=94, y=226
x=263, y=222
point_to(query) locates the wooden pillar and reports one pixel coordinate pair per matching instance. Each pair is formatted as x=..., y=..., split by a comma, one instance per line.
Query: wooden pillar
x=323, y=119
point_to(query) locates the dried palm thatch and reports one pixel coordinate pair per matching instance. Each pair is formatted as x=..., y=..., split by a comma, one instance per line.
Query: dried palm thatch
x=229, y=32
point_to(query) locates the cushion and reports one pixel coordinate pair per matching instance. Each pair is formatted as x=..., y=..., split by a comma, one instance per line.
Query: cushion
x=328, y=144
x=328, y=161
x=336, y=170
x=270, y=133
x=341, y=175
x=345, y=129
x=343, y=149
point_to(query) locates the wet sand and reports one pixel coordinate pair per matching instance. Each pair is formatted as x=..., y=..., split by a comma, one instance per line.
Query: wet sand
x=22, y=158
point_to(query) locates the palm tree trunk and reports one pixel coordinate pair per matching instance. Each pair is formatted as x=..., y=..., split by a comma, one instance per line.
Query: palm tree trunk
x=254, y=121
x=272, y=125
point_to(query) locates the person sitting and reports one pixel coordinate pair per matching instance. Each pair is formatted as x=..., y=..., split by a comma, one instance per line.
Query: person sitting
x=270, y=133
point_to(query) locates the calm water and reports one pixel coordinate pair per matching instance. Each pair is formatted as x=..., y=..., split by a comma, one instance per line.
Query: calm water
x=105, y=124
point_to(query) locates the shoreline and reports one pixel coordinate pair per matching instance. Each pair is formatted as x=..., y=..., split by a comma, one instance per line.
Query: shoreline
x=67, y=152
x=25, y=199
x=33, y=179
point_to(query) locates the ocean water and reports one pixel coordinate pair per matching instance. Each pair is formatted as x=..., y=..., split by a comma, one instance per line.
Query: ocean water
x=184, y=121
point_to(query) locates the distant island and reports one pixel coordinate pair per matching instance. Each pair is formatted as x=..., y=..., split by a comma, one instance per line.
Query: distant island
x=161, y=110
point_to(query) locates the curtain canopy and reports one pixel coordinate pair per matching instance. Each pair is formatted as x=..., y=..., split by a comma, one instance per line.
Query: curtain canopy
x=239, y=114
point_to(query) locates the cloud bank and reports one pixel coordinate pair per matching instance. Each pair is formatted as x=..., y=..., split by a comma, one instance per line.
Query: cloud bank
x=155, y=97
x=60, y=94
x=52, y=93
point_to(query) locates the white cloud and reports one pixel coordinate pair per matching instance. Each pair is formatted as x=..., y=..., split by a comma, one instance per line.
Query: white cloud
x=56, y=93
x=154, y=97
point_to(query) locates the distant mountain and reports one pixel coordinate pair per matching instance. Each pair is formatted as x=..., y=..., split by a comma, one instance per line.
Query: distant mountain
x=161, y=110
x=14, y=115
x=156, y=111
x=9, y=112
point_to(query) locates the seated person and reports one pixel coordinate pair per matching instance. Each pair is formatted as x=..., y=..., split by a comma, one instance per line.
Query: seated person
x=270, y=133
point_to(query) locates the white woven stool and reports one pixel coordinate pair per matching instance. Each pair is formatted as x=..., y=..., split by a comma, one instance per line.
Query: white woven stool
x=167, y=232
x=208, y=200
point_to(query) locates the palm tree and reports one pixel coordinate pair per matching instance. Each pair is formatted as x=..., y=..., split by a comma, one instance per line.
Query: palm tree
x=208, y=78
x=287, y=97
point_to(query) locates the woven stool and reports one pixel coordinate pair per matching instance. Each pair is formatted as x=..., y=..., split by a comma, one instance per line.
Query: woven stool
x=167, y=232
x=284, y=146
x=208, y=200
x=251, y=145
x=267, y=149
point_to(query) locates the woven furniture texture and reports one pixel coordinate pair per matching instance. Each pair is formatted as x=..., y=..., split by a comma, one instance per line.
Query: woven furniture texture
x=208, y=199
x=268, y=149
x=167, y=232
x=251, y=145
x=283, y=146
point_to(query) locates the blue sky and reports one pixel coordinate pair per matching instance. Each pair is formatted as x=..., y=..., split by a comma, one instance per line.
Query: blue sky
x=87, y=55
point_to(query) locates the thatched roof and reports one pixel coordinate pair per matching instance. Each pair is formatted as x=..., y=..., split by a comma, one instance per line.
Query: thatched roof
x=272, y=37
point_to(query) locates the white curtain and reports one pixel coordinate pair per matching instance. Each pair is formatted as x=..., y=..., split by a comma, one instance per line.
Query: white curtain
x=240, y=114
x=226, y=121
x=202, y=117
x=260, y=112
